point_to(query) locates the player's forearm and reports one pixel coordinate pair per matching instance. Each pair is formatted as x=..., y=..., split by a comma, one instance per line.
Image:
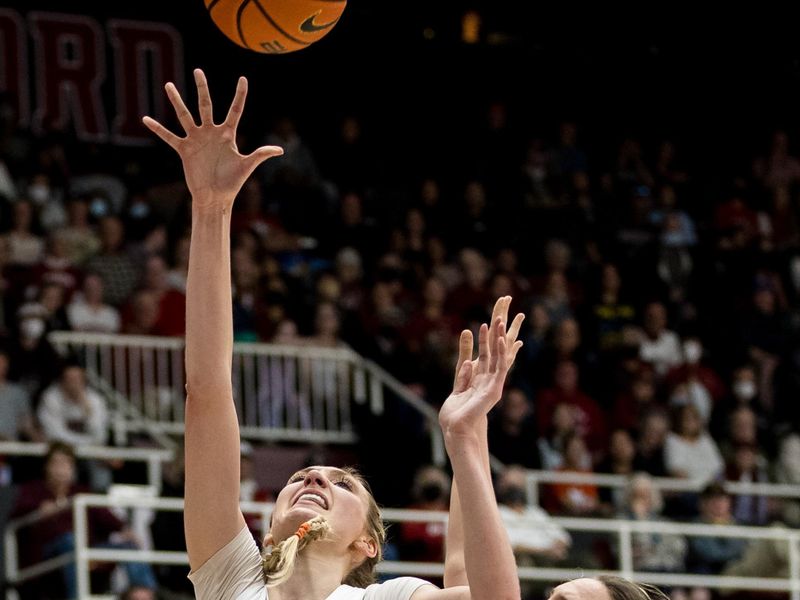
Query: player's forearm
x=455, y=571
x=490, y=565
x=209, y=328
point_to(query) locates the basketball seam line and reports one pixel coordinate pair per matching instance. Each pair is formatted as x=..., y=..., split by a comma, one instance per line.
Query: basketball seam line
x=239, y=12
x=278, y=27
x=212, y=4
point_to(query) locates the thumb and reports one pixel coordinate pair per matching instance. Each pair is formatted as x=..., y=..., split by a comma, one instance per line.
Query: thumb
x=261, y=154
x=463, y=377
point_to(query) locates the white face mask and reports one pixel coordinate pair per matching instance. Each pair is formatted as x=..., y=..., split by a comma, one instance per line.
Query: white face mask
x=744, y=390
x=692, y=352
x=39, y=193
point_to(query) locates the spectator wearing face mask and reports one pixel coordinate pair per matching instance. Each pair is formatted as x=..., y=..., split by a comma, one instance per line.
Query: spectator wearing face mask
x=534, y=537
x=420, y=541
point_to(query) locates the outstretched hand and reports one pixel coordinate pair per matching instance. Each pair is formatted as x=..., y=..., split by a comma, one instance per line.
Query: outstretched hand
x=479, y=383
x=215, y=169
x=500, y=311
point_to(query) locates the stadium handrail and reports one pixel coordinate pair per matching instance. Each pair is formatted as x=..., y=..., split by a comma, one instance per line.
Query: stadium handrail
x=622, y=528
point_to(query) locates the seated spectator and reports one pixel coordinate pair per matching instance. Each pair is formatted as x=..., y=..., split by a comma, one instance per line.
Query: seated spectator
x=590, y=419
x=534, y=537
x=54, y=536
x=694, y=381
x=610, y=315
x=661, y=553
x=690, y=452
x=421, y=541
x=580, y=499
x=16, y=416
x=57, y=268
x=709, y=554
x=512, y=431
x=530, y=529
x=631, y=405
x=79, y=237
x=650, y=444
x=748, y=466
x=170, y=303
x=34, y=361
x=87, y=311
x=621, y=454
x=115, y=266
x=49, y=306
x=73, y=413
x=551, y=444
x=660, y=346
x=26, y=247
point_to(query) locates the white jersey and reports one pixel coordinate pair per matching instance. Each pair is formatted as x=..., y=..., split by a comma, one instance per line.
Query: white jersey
x=234, y=573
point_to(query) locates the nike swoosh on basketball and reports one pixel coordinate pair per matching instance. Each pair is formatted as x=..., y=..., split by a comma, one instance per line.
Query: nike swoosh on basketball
x=308, y=26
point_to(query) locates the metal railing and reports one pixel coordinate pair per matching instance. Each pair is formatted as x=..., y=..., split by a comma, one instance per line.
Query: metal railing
x=282, y=393
x=151, y=457
x=665, y=484
x=623, y=529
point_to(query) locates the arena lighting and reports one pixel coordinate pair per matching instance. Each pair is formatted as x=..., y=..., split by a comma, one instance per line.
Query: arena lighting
x=471, y=27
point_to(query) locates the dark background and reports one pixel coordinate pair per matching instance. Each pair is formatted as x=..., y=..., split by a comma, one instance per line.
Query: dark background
x=717, y=84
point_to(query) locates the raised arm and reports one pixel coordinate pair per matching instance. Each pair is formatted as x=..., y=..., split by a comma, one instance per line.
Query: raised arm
x=214, y=171
x=455, y=573
x=490, y=568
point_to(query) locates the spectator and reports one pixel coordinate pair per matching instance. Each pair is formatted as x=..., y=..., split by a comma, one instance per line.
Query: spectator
x=748, y=466
x=26, y=248
x=709, y=554
x=73, y=413
x=114, y=265
x=650, y=456
x=697, y=383
x=551, y=445
x=425, y=541
x=590, y=420
x=611, y=315
x=534, y=537
x=78, y=236
x=54, y=536
x=661, y=346
x=171, y=303
x=631, y=406
x=580, y=499
x=652, y=552
x=512, y=431
x=621, y=455
x=16, y=416
x=690, y=452
x=87, y=311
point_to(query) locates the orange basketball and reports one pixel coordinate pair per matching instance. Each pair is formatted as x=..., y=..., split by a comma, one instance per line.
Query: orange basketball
x=275, y=26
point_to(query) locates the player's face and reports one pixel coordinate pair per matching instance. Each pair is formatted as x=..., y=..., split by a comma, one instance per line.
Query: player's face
x=581, y=589
x=326, y=491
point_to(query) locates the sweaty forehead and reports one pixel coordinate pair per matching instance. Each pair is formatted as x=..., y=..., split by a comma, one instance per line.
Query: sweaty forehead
x=581, y=589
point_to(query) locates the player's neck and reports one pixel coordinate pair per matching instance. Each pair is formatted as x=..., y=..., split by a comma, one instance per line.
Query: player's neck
x=316, y=575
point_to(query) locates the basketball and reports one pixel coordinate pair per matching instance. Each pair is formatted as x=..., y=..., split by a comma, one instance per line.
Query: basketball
x=275, y=26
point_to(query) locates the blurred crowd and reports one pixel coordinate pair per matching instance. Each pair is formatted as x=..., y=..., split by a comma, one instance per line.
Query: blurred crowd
x=661, y=302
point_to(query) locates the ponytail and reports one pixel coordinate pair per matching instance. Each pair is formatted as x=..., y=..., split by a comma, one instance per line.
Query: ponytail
x=279, y=563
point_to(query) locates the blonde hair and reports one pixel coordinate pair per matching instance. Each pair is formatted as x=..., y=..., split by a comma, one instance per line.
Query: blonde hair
x=278, y=564
x=622, y=589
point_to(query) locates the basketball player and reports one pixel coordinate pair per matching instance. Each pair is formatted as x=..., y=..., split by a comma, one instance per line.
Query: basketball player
x=326, y=531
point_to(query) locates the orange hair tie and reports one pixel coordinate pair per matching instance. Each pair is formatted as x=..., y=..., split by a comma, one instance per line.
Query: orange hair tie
x=303, y=530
